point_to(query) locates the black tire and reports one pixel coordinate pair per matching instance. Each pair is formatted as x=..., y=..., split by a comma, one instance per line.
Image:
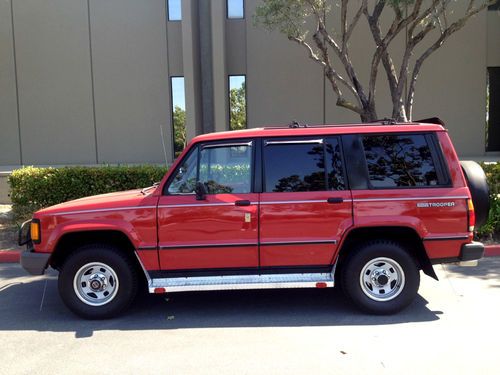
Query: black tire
x=479, y=190
x=378, y=258
x=106, y=265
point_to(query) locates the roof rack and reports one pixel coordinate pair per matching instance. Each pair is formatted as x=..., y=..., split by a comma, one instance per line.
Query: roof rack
x=385, y=121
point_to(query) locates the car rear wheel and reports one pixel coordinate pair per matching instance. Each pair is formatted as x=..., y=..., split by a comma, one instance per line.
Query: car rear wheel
x=380, y=277
x=97, y=281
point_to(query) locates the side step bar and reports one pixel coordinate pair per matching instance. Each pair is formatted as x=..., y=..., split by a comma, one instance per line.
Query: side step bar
x=185, y=284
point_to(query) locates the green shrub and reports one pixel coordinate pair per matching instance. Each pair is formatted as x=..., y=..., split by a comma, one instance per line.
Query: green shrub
x=34, y=188
x=492, y=226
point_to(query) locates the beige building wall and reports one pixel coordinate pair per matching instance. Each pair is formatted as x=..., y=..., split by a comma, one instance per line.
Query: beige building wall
x=54, y=81
x=130, y=70
x=493, y=38
x=10, y=150
x=90, y=79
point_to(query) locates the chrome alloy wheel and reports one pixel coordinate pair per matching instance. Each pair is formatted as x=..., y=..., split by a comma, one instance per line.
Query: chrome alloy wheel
x=382, y=279
x=96, y=284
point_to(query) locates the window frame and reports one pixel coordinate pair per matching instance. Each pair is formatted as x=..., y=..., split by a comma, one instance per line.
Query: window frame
x=325, y=139
x=213, y=144
x=442, y=173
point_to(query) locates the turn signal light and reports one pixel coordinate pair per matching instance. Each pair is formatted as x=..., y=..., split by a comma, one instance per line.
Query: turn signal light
x=471, y=219
x=35, y=231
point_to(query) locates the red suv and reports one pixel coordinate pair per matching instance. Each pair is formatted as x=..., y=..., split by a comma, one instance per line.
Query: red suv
x=365, y=206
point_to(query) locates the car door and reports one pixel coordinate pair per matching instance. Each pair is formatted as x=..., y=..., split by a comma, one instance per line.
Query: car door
x=306, y=205
x=219, y=231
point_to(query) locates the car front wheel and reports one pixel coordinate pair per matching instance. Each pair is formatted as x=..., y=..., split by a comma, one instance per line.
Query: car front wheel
x=97, y=281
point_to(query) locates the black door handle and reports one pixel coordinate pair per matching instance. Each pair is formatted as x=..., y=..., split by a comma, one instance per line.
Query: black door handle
x=243, y=202
x=335, y=200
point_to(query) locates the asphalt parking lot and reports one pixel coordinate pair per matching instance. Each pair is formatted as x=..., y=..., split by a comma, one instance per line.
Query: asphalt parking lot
x=453, y=327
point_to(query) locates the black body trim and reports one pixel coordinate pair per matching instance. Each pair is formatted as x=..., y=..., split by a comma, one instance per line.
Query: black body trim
x=469, y=251
x=206, y=246
x=355, y=162
x=34, y=263
x=446, y=238
x=333, y=242
x=24, y=233
x=296, y=243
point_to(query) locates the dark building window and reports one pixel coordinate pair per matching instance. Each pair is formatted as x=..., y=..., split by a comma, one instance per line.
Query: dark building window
x=235, y=9
x=495, y=6
x=493, y=110
x=174, y=10
x=237, y=102
x=178, y=114
x=399, y=161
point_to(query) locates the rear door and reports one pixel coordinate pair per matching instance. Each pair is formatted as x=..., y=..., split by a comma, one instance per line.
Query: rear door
x=305, y=205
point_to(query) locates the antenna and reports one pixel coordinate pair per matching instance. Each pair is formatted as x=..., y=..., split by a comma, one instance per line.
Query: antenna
x=163, y=144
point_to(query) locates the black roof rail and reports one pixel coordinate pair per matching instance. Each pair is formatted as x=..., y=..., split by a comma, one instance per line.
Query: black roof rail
x=385, y=121
x=295, y=124
x=432, y=120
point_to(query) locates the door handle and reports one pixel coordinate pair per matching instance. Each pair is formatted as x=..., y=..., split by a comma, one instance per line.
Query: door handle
x=243, y=202
x=335, y=200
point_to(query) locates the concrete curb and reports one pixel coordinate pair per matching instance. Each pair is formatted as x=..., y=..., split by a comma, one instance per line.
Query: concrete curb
x=10, y=256
x=13, y=256
x=492, y=251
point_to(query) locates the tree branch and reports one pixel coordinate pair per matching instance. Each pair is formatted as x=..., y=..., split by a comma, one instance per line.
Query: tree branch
x=454, y=27
x=342, y=55
x=313, y=56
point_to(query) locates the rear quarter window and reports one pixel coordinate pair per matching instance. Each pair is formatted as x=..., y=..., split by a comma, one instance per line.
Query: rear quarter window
x=400, y=160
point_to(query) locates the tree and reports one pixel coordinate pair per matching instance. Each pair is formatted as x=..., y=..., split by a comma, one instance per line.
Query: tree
x=433, y=21
x=179, y=119
x=238, y=108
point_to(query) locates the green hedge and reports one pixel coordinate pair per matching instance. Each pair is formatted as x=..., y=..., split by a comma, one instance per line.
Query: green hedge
x=492, y=226
x=33, y=188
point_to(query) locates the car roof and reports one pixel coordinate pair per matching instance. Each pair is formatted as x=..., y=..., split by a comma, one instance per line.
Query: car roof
x=313, y=130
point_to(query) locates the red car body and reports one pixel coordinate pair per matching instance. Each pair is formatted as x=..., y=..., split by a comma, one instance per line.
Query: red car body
x=262, y=231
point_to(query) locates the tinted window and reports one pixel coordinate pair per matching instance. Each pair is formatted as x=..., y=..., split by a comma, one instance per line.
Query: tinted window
x=334, y=165
x=399, y=161
x=294, y=167
x=226, y=169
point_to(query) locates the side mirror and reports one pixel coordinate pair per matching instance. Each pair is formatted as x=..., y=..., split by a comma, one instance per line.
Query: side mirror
x=200, y=191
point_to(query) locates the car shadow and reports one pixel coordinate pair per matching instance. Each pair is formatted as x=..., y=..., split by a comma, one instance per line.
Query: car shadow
x=487, y=269
x=36, y=305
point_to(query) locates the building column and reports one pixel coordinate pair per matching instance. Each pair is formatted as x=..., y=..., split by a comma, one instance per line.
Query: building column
x=219, y=68
x=191, y=67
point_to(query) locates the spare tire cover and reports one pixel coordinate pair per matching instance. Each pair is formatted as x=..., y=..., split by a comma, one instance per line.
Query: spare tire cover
x=478, y=186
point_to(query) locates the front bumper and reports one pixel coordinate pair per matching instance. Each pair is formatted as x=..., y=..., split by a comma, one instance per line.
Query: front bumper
x=468, y=252
x=34, y=263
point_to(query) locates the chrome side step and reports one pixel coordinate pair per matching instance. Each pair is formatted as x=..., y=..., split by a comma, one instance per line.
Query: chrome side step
x=296, y=280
